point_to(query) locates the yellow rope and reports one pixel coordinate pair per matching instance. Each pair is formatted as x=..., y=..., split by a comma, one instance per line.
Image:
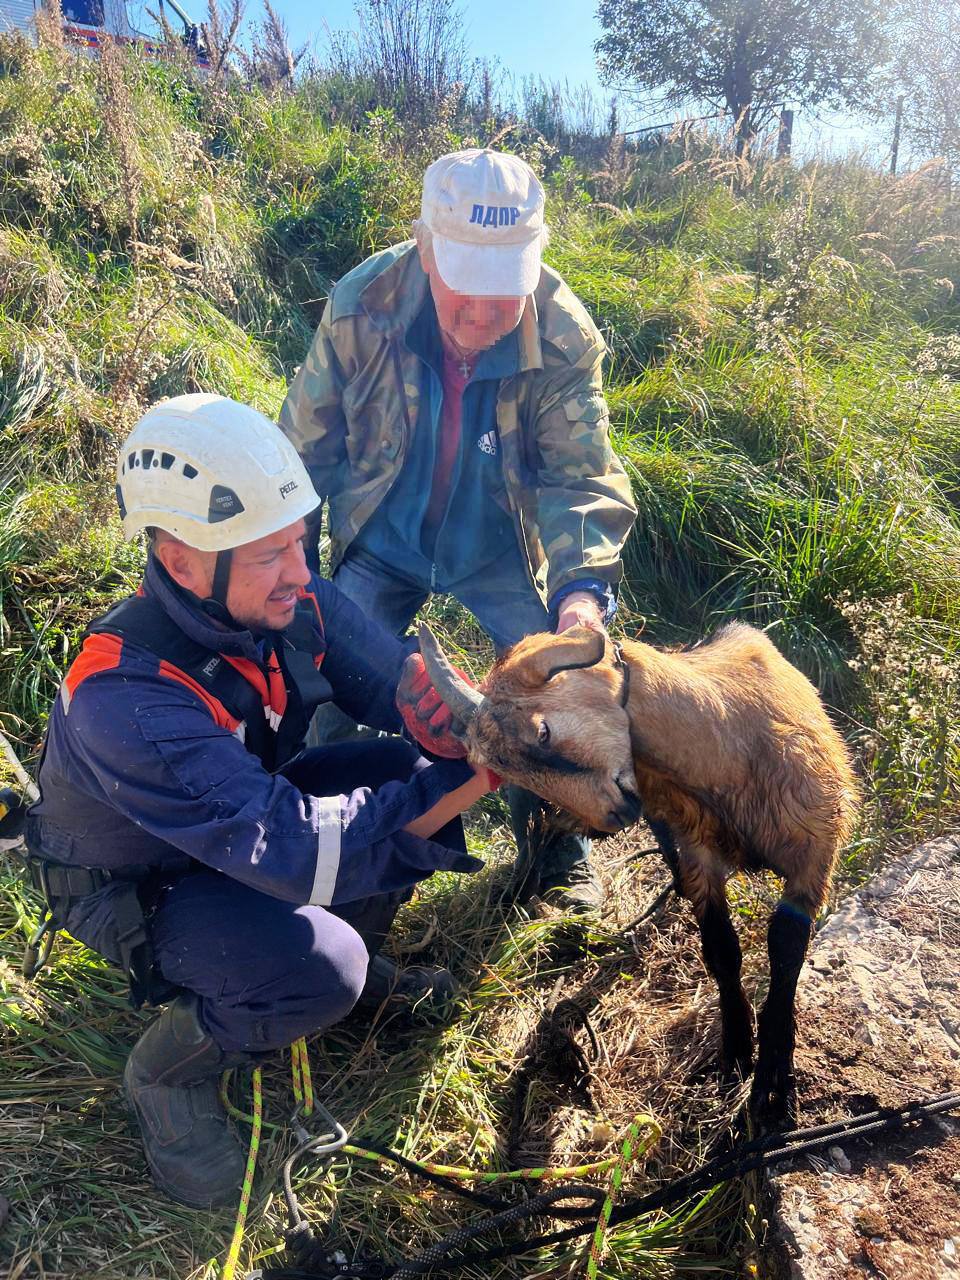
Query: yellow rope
x=536, y=1174
x=632, y=1148
x=302, y=1080
x=629, y=1152
x=230, y=1266
x=303, y=1092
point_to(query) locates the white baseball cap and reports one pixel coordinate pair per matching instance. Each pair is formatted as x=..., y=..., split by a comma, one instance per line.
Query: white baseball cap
x=484, y=210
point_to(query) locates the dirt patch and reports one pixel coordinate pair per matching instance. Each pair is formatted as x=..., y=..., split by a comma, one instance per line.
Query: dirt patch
x=879, y=1010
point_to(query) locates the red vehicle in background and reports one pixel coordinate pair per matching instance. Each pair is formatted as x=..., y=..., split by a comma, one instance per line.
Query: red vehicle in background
x=86, y=23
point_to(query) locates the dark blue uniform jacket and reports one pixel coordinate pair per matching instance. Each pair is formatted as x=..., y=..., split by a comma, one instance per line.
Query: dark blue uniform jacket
x=142, y=769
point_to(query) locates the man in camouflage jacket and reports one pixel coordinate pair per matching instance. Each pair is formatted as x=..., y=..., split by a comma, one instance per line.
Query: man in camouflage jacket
x=451, y=413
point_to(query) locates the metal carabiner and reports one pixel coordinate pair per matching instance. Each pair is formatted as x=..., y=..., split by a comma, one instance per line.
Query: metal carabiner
x=338, y=1135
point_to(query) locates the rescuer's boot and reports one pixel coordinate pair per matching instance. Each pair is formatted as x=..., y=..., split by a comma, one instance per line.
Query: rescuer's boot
x=424, y=990
x=170, y=1082
x=552, y=863
x=576, y=889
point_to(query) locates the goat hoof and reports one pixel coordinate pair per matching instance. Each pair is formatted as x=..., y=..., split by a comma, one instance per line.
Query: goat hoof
x=773, y=1104
x=736, y=1064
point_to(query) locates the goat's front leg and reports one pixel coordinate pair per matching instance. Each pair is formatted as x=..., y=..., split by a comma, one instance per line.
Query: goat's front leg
x=667, y=845
x=773, y=1098
x=702, y=881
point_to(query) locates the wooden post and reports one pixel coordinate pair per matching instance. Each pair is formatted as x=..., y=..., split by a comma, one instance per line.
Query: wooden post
x=785, y=134
x=897, y=123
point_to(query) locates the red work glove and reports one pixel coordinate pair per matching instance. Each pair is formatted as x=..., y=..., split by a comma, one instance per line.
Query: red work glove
x=425, y=714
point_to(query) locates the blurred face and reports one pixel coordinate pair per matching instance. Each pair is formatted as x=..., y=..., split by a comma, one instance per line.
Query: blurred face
x=471, y=323
x=264, y=576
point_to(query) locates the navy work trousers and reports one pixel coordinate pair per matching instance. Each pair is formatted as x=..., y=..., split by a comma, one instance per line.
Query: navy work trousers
x=268, y=971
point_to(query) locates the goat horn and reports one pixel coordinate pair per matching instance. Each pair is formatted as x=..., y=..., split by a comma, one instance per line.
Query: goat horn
x=463, y=699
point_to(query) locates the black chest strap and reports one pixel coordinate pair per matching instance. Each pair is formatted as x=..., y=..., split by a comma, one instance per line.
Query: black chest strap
x=143, y=621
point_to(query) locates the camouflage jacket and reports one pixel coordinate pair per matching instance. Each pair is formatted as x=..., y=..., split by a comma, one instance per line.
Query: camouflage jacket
x=351, y=409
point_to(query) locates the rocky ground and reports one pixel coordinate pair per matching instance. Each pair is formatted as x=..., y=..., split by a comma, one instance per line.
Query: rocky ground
x=879, y=1009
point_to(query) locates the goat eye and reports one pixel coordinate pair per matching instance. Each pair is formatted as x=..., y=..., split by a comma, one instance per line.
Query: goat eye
x=543, y=733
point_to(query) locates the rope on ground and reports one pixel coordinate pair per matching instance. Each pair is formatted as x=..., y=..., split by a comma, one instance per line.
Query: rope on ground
x=773, y=1148
x=383, y=1155
x=377, y=1154
x=540, y=1206
x=629, y=1152
x=761, y=1152
x=303, y=1092
x=233, y=1254
x=594, y=1213
x=301, y=1239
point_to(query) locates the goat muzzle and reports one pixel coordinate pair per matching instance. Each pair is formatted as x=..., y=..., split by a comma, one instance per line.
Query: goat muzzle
x=463, y=699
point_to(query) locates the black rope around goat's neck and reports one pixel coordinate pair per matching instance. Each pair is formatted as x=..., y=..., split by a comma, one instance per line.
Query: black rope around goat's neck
x=763, y=1152
x=623, y=667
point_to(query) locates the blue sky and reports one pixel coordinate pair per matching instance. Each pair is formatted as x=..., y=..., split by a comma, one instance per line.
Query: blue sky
x=549, y=38
x=552, y=38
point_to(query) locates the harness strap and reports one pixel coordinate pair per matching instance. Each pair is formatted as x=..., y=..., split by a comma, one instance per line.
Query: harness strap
x=221, y=577
x=57, y=880
x=234, y=685
x=147, y=984
x=62, y=885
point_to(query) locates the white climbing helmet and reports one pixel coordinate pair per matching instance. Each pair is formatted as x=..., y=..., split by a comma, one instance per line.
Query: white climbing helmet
x=214, y=473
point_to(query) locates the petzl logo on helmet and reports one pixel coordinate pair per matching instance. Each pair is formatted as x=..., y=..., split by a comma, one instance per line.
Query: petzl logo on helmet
x=495, y=215
x=287, y=488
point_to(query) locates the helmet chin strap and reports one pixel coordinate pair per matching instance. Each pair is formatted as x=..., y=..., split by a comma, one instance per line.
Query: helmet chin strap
x=221, y=578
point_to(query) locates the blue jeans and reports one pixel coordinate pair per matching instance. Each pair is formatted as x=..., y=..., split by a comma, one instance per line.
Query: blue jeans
x=507, y=607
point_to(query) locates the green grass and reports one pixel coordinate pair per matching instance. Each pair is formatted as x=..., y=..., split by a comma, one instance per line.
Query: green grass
x=74, y=1170
x=784, y=382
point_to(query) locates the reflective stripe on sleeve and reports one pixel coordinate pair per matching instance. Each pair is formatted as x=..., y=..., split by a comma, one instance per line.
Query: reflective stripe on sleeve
x=328, y=851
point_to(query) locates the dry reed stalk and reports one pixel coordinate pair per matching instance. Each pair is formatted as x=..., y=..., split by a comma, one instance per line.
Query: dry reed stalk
x=220, y=34
x=118, y=118
x=48, y=21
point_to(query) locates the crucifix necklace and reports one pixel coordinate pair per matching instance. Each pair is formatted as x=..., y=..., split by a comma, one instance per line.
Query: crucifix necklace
x=463, y=363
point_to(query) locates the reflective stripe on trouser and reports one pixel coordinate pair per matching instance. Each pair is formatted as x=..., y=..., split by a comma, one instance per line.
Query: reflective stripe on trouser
x=507, y=612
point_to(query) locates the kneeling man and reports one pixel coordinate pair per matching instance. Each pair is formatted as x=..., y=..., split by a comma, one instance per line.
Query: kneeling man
x=183, y=832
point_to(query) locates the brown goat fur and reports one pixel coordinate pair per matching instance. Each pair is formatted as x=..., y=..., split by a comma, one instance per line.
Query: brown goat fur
x=729, y=751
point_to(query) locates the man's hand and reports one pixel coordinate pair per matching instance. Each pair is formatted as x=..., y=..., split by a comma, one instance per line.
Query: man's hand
x=453, y=804
x=425, y=714
x=580, y=609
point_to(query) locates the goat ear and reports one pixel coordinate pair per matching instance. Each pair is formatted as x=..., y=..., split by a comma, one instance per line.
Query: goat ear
x=576, y=648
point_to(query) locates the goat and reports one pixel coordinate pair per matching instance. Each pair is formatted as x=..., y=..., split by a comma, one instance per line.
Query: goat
x=725, y=749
